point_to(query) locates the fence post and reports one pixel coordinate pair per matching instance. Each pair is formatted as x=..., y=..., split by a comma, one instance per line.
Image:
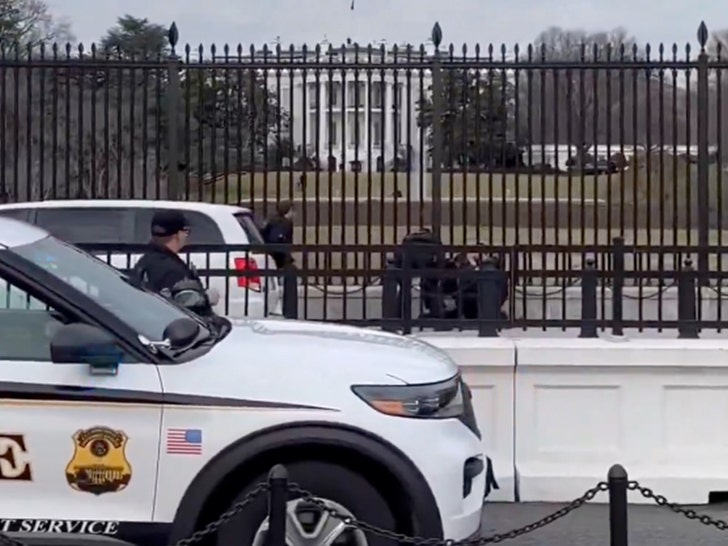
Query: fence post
x=404, y=301
x=686, y=309
x=703, y=142
x=617, y=481
x=489, y=298
x=437, y=151
x=277, y=500
x=589, y=277
x=173, y=98
x=618, y=286
x=391, y=301
x=290, y=292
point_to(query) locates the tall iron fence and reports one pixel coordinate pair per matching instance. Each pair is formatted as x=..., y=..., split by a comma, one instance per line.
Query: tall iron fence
x=537, y=145
x=488, y=290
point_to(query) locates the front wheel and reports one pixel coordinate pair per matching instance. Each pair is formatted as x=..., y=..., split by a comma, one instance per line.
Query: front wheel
x=307, y=524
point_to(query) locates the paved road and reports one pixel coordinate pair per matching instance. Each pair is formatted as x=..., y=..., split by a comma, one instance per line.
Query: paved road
x=589, y=525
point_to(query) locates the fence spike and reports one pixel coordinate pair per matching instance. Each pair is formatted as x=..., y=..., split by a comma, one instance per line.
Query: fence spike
x=173, y=35
x=703, y=35
x=437, y=35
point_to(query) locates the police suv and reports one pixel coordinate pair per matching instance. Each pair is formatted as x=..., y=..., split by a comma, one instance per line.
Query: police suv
x=125, y=417
x=244, y=293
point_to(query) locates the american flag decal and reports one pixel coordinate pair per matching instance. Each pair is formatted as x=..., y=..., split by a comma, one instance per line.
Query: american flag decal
x=184, y=441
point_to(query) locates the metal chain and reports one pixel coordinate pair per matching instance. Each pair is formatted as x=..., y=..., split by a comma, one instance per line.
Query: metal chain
x=689, y=513
x=421, y=541
x=577, y=503
x=213, y=527
x=238, y=507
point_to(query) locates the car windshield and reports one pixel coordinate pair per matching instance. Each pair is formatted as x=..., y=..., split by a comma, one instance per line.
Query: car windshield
x=146, y=313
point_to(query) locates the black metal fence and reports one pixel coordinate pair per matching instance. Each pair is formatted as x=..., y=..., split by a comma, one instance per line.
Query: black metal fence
x=535, y=145
x=485, y=289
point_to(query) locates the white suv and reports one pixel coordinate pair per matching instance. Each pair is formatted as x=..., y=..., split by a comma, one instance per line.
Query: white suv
x=120, y=222
x=123, y=415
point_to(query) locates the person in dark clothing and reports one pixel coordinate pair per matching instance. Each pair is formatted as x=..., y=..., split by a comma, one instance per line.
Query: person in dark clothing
x=161, y=269
x=279, y=231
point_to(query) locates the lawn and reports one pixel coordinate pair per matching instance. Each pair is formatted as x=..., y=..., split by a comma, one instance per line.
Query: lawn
x=502, y=237
x=668, y=183
x=284, y=185
x=661, y=181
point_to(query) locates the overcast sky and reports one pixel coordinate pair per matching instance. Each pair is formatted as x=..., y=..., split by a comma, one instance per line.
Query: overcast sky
x=397, y=21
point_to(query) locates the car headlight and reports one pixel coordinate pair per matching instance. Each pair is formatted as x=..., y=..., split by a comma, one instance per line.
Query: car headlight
x=431, y=401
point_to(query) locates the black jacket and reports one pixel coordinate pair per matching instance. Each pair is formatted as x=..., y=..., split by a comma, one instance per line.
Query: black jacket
x=279, y=231
x=160, y=269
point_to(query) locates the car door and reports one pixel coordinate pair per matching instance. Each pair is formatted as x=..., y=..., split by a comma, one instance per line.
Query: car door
x=73, y=446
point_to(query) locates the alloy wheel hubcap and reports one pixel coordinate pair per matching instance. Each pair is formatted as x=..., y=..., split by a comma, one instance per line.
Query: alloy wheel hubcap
x=309, y=525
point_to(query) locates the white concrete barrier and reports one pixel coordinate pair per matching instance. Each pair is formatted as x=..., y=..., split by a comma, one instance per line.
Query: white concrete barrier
x=488, y=366
x=576, y=406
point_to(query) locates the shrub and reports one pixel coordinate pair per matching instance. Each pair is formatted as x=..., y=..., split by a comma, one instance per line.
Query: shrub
x=660, y=183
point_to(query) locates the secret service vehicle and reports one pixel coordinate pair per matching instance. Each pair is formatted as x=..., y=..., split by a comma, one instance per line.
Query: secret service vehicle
x=125, y=417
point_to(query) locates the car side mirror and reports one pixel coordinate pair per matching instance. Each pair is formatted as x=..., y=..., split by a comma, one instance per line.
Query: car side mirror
x=84, y=344
x=181, y=332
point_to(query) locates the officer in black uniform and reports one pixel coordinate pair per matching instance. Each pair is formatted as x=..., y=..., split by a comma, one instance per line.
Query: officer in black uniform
x=161, y=269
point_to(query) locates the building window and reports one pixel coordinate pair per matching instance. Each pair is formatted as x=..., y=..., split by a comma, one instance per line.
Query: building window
x=397, y=127
x=355, y=92
x=376, y=136
x=397, y=96
x=334, y=132
x=313, y=128
x=355, y=129
x=334, y=95
x=377, y=94
x=312, y=97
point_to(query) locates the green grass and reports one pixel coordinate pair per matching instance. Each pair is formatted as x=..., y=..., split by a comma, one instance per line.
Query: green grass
x=243, y=187
x=467, y=235
x=497, y=236
x=666, y=184
x=655, y=178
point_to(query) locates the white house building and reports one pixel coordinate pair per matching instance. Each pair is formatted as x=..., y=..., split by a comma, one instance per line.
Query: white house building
x=365, y=113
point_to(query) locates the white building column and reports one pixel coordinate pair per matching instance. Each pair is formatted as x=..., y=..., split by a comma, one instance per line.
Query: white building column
x=323, y=123
x=389, y=126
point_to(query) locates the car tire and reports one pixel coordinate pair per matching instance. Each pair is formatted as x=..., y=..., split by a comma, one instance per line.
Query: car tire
x=324, y=480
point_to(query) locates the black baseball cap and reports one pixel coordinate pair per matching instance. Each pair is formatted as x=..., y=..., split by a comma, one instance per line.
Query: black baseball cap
x=168, y=222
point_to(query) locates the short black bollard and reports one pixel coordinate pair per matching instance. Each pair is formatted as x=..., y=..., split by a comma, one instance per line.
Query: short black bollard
x=277, y=500
x=618, y=287
x=290, y=292
x=686, y=306
x=391, y=301
x=617, y=481
x=589, y=277
x=490, y=289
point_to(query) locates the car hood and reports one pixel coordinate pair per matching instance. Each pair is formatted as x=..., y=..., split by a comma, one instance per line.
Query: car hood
x=361, y=354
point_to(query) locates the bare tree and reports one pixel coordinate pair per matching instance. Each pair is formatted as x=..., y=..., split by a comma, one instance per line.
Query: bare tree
x=91, y=129
x=572, y=103
x=594, y=97
x=29, y=22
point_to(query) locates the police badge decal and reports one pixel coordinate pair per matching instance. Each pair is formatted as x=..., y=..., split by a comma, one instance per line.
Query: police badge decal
x=99, y=463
